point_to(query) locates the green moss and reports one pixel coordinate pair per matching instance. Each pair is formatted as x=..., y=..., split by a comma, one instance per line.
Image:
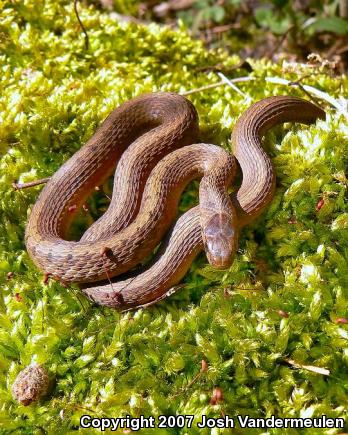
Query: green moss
x=53, y=95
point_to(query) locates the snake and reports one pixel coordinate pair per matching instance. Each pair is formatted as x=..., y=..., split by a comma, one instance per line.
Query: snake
x=150, y=144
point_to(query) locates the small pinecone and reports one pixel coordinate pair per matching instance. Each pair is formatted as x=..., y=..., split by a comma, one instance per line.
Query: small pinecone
x=30, y=384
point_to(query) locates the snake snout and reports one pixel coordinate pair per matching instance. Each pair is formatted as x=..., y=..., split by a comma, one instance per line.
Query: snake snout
x=220, y=240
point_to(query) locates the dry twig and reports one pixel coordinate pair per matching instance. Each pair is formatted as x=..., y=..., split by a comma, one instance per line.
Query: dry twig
x=19, y=186
x=81, y=25
x=309, y=90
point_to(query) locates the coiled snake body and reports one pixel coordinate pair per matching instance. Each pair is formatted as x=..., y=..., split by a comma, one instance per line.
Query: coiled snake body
x=149, y=139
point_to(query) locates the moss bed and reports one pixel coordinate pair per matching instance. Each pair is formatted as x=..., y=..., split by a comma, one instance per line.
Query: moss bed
x=281, y=305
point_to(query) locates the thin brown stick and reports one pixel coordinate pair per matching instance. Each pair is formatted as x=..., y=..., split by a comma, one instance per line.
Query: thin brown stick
x=19, y=186
x=106, y=270
x=314, y=99
x=81, y=25
x=225, y=28
x=76, y=294
x=43, y=316
x=280, y=42
x=254, y=289
x=184, y=389
x=342, y=49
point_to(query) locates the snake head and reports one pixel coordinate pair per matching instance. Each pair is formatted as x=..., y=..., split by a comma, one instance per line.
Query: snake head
x=220, y=236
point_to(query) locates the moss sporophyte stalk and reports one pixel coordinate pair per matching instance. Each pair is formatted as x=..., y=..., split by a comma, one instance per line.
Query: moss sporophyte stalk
x=292, y=260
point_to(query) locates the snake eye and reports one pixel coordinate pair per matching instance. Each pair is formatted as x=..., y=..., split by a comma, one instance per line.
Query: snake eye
x=220, y=240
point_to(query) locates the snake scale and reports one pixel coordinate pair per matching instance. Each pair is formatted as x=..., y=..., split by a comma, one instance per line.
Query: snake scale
x=150, y=140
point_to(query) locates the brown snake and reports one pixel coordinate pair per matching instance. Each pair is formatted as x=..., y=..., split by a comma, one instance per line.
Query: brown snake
x=154, y=131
